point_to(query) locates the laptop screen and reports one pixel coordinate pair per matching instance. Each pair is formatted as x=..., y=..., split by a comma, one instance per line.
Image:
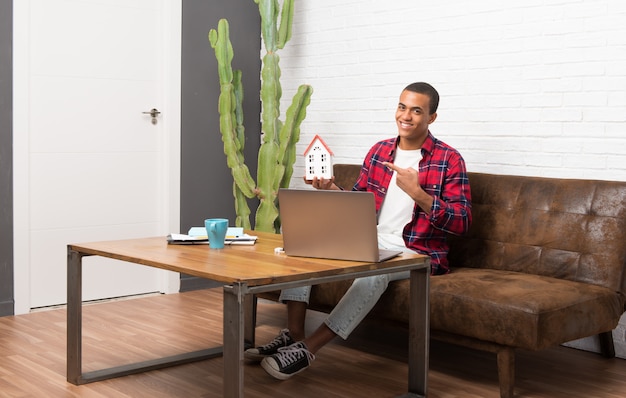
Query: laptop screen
x=329, y=224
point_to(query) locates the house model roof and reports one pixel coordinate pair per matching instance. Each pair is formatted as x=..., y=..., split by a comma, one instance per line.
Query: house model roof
x=321, y=141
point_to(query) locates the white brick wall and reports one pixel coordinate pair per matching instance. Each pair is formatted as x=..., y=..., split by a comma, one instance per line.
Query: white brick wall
x=531, y=88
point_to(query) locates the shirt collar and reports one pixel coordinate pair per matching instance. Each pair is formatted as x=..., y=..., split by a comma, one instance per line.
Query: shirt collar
x=427, y=146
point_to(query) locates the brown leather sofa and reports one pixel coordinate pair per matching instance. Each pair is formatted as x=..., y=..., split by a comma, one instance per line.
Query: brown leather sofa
x=543, y=264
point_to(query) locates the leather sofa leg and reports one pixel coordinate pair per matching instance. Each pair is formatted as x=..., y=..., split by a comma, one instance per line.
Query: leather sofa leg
x=606, y=344
x=506, y=371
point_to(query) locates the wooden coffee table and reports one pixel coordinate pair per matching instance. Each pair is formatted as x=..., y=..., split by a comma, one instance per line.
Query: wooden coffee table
x=244, y=271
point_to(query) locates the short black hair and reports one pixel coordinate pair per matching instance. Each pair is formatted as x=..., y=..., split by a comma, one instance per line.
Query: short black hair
x=426, y=89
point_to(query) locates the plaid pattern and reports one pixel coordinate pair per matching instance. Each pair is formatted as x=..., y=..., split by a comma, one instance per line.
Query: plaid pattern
x=442, y=174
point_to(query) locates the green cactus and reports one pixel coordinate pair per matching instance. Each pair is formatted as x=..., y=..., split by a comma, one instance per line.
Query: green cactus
x=277, y=152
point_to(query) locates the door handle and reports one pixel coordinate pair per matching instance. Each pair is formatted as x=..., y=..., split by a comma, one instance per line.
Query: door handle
x=153, y=113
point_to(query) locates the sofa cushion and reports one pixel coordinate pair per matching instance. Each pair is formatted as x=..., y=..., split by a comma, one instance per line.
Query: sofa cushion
x=510, y=308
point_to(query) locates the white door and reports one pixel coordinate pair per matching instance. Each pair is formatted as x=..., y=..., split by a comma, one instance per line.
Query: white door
x=89, y=163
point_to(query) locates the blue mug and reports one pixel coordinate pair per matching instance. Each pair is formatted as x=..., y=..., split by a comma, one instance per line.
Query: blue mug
x=216, y=231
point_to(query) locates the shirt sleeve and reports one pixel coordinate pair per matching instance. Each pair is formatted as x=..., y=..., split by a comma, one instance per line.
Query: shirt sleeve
x=451, y=212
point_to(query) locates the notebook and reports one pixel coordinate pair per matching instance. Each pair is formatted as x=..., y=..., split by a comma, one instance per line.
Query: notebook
x=330, y=224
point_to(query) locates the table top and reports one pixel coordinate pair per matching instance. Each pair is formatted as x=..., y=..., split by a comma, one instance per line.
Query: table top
x=254, y=265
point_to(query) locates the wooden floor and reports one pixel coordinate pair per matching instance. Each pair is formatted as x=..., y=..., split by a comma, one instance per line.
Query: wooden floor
x=372, y=363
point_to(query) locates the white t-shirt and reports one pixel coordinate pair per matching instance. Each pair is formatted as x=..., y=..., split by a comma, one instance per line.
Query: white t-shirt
x=397, y=209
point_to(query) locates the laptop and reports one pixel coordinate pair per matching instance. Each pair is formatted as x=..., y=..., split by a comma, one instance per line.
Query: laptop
x=338, y=225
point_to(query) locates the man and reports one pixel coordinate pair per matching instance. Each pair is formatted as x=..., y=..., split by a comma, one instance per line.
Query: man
x=421, y=192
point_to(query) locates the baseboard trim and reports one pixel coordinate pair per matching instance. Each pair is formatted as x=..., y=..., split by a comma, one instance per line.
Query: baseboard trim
x=7, y=307
x=189, y=283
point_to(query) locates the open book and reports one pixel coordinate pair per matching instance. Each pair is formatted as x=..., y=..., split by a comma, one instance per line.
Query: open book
x=197, y=235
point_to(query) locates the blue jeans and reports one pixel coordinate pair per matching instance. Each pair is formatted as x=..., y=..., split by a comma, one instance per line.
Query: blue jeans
x=355, y=304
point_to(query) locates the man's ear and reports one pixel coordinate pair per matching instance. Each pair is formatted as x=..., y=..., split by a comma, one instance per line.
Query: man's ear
x=432, y=118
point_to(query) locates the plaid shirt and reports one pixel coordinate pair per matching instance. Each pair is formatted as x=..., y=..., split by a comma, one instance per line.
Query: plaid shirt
x=442, y=174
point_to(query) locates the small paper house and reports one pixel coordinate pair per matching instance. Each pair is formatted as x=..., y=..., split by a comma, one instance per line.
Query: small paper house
x=318, y=160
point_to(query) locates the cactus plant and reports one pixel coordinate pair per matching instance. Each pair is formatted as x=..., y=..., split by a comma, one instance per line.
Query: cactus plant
x=277, y=152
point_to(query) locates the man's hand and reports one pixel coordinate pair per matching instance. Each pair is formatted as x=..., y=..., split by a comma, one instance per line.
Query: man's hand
x=322, y=183
x=408, y=181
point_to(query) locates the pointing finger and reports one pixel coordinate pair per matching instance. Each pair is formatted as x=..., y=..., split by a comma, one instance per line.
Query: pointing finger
x=391, y=166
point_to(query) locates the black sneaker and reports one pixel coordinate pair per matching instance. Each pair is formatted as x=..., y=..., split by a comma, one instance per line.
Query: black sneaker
x=288, y=361
x=282, y=340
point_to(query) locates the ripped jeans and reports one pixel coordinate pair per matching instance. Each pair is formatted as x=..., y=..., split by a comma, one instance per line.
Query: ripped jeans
x=355, y=304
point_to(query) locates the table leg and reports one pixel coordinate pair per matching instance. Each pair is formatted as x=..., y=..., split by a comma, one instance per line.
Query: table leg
x=74, y=337
x=74, y=316
x=250, y=304
x=419, y=332
x=234, y=333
